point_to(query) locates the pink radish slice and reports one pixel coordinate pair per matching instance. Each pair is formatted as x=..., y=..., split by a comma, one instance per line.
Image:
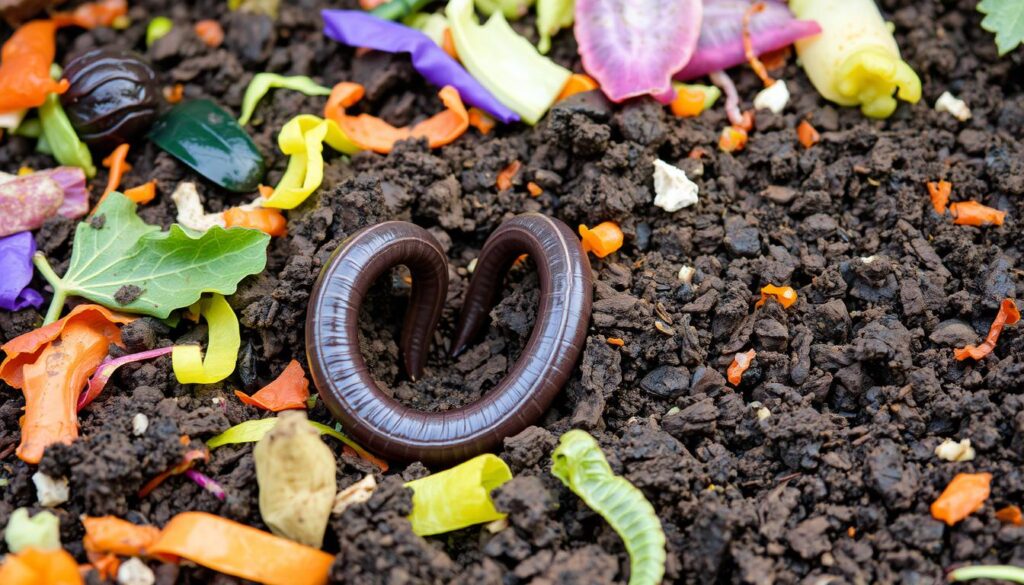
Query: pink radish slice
x=633, y=47
x=721, y=35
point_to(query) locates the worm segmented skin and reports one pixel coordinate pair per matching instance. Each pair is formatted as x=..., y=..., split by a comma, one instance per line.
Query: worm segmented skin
x=384, y=425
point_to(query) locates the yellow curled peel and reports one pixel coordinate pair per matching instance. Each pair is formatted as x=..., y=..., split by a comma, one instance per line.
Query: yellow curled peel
x=457, y=497
x=221, y=351
x=303, y=138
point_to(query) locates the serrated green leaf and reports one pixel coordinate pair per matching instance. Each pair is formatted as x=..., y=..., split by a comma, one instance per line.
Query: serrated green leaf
x=174, y=268
x=1005, y=18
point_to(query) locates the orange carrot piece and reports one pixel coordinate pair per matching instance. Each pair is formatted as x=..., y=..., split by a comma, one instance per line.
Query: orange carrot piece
x=963, y=496
x=93, y=14
x=806, y=134
x=785, y=295
x=265, y=219
x=534, y=189
x=578, y=83
x=266, y=191
x=210, y=32
x=688, y=103
x=448, y=44
x=110, y=534
x=732, y=139
x=200, y=453
x=938, y=192
x=739, y=365
x=144, y=193
x=504, y=180
x=290, y=390
x=481, y=121
x=40, y=567
x=117, y=162
x=616, y=341
x=976, y=214
x=1010, y=515
x=602, y=239
x=748, y=44
x=106, y=565
x=374, y=134
x=241, y=551
x=174, y=93
x=52, y=375
x=1007, y=315
x=25, y=66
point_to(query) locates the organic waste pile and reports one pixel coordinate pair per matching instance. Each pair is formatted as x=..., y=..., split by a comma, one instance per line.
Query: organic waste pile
x=795, y=356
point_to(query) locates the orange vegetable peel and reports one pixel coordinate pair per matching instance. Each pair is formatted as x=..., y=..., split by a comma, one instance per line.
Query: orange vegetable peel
x=938, y=192
x=740, y=363
x=37, y=567
x=964, y=495
x=603, y=239
x=579, y=83
x=976, y=214
x=785, y=295
x=267, y=220
x=1008, y=315
x=289, y=391
x=109, y=534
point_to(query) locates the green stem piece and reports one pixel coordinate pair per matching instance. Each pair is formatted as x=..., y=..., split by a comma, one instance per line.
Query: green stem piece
x=60, y=294
x=994, y=572
x=399, y=9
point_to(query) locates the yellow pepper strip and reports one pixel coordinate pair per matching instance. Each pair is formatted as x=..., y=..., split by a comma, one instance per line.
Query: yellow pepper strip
x=221, y=351
x=303, y=138
x=457, y=497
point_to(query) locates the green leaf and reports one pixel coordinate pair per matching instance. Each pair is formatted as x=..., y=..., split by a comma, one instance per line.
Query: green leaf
x=1005, y=18
x=580, y=464
x=173, y=269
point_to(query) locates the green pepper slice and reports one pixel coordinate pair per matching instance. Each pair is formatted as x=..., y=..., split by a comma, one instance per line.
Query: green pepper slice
x=202, y=135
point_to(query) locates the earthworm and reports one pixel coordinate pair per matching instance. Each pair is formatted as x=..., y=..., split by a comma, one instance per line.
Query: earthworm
x=384, y=425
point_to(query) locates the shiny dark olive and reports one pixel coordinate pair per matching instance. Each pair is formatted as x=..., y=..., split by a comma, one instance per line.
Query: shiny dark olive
x=113, y=98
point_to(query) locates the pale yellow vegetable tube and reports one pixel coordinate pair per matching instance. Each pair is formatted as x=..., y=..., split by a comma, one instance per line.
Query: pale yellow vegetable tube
x=855, y=59
x=458, y=497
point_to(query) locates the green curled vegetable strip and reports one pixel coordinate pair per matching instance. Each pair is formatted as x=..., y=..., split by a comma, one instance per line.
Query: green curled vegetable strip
x=263, y=82
x=582, y=467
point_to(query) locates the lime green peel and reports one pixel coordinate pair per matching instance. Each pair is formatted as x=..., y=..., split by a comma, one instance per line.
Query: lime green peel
x=263, y=82
x=994, y=572
x=158, y=29
x=457, y=497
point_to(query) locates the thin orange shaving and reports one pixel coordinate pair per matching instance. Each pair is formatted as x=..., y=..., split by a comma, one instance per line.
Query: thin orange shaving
x=534, y=189
x=688, y=103
x=241, y=551
x=200, y=453
x=748, y=44
x=110, y=534
x=289, y=391
x=117, y=162
x=963, y=496
x=616, y=341
x=976, y=214
x=481, y=121
x=374, y=134
x=504, y=180
x=785, y=295
x=1008, y=315
x=267, y=220
x=38, y=567
x=806, y=134
x=266, y=192
x=578, y=83
x=448, y=44
x=739, y=365
x=938, y=192
x=144, y=193
x=602, y=239
x=1010, y=515
x=93, y=14
x=732, y=139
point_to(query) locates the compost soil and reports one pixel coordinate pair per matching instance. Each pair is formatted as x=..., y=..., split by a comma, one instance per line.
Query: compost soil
x=818, y=468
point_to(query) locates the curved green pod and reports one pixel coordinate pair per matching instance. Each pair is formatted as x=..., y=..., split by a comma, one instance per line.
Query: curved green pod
x=579, y=462
x=202, y=135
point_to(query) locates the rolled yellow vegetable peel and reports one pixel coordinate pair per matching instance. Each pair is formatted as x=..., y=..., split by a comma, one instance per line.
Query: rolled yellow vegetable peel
x=458, y=497
x=855, y=59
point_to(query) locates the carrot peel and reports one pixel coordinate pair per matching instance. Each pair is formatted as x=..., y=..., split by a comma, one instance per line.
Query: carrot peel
x=785, y=295
x=267, y=220
x=241, y=551
x=807, y=135
x=964, y=495
x=1008, y=315
x=740, y=363
x=25, y=66
x=289, y=391
x=504, y=180
x=375, y=134
x=38, y=567
x=109, y=534
x=976, y=214
x=938, y=192
x=602, y=239
x=578, y=83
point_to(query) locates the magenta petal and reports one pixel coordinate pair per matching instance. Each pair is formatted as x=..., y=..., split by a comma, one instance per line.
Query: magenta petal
x=207, y=483
x=721, y=36
x=76, y=196
x=632, y=47
x=102, y=376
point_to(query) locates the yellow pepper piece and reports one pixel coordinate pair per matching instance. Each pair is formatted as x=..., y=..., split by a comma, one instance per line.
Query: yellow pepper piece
x=457, y=497
x=303, y=138
x=221, y=351
x=855, y=60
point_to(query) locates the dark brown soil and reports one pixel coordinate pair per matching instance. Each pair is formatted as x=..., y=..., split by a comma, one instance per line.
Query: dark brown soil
x=859, y=377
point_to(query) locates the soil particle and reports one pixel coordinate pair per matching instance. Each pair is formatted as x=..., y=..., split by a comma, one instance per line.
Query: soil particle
x=127, y=294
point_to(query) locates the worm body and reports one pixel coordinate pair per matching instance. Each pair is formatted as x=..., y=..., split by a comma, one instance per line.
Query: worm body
x=384, y=425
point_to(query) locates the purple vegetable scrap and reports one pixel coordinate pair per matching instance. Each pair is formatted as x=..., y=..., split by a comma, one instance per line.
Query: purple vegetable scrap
x=16, y=264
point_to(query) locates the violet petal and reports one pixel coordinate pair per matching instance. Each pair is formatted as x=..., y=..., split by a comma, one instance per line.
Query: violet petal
x=16, y=264
x=102, y=375
x=721, y=35
x=633, y=47
x=360, y=29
